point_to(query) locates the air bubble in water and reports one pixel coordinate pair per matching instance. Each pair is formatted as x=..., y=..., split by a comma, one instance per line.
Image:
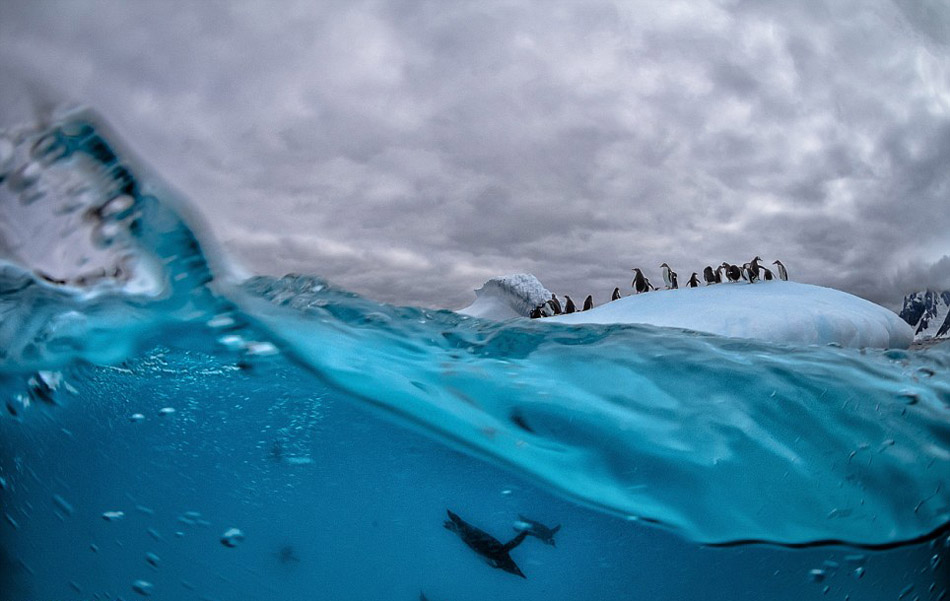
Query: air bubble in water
x=232, y=537
x=142, y=587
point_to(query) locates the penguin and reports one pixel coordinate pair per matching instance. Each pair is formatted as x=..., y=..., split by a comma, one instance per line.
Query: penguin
x=640, y=283
x=537, y=530
x=754, y=264
x=693, y=281
x=556, y=304
x=569, y=306
x=709, y=276
x=615, y=295
x=747, y=273
x=674, y=280
x=732, y=272
x=494, y=552
x=537, y=312
x=782, y=272
x=669, y=277
x=768, y=274
x=589, y=302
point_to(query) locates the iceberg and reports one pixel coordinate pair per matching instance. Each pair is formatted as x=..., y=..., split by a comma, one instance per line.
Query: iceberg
x=772, y=311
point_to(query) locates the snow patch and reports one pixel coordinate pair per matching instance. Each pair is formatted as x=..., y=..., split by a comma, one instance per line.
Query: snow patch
x=507, y=296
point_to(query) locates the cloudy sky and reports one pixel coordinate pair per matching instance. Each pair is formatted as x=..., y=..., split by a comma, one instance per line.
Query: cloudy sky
x=410, y=150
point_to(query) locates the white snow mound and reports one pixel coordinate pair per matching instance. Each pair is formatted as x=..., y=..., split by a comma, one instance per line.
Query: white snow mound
x=507, y=296
x=776, y=311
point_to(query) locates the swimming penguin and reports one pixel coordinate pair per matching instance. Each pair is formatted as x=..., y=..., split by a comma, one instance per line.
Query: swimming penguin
x=495, y=553
x=693, y=281
x=569, y=306
x=669, y=277
x=615, y=295
x=537, y=530
x=640, y=283
x=782, y=272
x=556, y=304
x=709, y=276
x=589, y=302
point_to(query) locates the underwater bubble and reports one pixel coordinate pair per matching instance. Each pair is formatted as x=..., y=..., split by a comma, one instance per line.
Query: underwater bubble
x=112, y=516
x=117, y=206
x=232, y=537
x=63, y=504
x=142, y=587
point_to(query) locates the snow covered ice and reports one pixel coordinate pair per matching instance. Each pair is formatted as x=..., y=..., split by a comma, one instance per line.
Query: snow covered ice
x=774, y=311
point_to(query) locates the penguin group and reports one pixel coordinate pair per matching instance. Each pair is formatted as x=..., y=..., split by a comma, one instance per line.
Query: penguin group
x=751, y=272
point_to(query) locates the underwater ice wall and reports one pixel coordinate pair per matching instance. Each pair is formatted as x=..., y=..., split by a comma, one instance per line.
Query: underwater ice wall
x=721, y=439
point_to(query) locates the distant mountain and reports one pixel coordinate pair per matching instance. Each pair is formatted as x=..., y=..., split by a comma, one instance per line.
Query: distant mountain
x=928, y=312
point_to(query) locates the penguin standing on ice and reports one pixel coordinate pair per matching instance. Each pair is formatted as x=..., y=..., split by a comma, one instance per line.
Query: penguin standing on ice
x=782, y=272
x=589, y=302
x=640, y=283
x=556, y=304
x=756, y=268
x=709, y=276
x=747, y=273
x=669, y=277
x=569, y=306
x=693, y=281
x=615, y=295
x=732, y=271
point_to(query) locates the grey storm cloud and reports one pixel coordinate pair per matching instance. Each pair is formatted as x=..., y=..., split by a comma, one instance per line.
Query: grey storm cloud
x=410, y=150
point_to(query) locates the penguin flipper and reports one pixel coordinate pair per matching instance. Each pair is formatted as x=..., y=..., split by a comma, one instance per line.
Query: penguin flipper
x=517, y=540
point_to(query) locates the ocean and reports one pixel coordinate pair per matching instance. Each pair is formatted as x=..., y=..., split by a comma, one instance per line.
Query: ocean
x=172, y=431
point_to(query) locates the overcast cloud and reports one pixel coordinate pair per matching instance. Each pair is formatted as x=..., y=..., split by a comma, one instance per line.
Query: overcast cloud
x=410, y=150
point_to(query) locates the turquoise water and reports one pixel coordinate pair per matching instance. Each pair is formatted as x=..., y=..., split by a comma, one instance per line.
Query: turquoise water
x=334, y=432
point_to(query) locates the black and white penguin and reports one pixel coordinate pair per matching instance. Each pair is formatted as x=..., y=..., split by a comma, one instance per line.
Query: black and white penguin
x=569, y=305
x=756, y=268
x=674, y=280
x=733, y=273
x=494, y=552
x=768, y=274
x=536, y=529
x=537, y=312
x=589, y=302
x=782, y=272
x=747, y=273
x=669, y=276
x=693, y=281
x=615, y=295
x=709, y=276
x=556, y=304
x=640, y=283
